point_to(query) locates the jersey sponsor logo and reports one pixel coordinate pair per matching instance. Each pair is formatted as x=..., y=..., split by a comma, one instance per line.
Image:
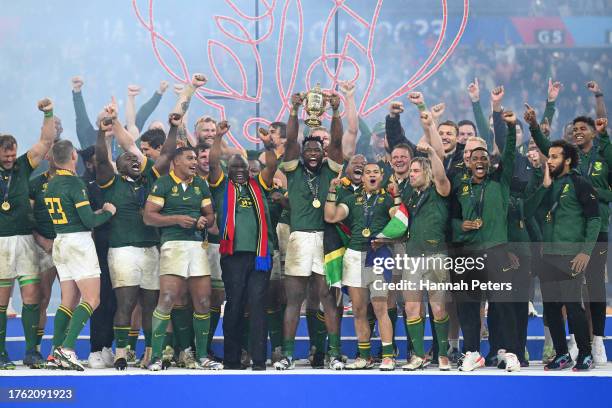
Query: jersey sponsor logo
x=381, y=199
x=245, y=202
x=598, y=166
x=466, y=190
x=197, y=190
x=186, y=198
x=154, y=189
x=566, y=189
x=44, y=187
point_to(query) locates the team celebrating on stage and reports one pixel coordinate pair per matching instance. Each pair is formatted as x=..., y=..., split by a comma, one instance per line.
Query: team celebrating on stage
x=172, y=228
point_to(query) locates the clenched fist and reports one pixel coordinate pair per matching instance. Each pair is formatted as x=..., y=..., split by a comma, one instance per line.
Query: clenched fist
x=601, y=124
x=198, y=80
x=509, y=117
x=110, y=208
x=163, y=85
x=45, y=105
x=175, y=119
x=133, y=90
x=77, y=83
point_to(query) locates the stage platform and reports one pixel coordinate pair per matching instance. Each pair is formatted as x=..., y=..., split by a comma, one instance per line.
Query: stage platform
x=304, y=387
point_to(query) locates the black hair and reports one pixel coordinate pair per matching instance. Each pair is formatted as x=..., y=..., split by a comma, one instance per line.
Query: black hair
x=584, y=119
x=181, y=150
x=282, y=127
x=87, y=153
x=7, y=142
x=312, y=139
x=468, y=122
x=154, y=137
x=569, y=151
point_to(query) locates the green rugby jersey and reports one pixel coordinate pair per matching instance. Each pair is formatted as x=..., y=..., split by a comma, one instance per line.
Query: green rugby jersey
x=168, y=193
x=304, y=216
x=428, y=222
x=378, y=203
x=42, y=221
x=247, y=228
x=573, y=224
x=127, y=227
x=68, y=204
x=594, y=166
x=17, y=220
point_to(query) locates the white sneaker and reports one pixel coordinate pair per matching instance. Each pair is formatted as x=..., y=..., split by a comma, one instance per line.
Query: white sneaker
x=572, y=347
x=68, y=359
x=532, y=310
x=599, y=350
x=108, y=357
x=512, y=362
x=95, y=360
x=472, y=361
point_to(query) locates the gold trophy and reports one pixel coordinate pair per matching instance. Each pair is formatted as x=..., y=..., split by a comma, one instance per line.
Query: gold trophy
x=315, y=106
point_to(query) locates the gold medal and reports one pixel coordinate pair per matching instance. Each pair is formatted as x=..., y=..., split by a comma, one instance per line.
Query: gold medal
x=205, y=244
x=478, y=222
x=316, y=203
x=366, y=232
x=6, y=206
x=549, y=217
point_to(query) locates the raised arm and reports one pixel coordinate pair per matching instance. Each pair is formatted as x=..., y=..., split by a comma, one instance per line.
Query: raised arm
x=349, y=139
x=500, y=131
x=130, y=111
x=554, y=88
x=47, y=134
x=443, y=186
x=145, y=111
x=85, y=131
x=334, y=150
x=432, y=136
x=600, y=103
x=365, y=137
x=124, y=138
x=332, y=211
x=292, y=148
x=267, y=173
x=184, y=98
x=534, y=128
x=162, y=164
x=482, y=125
x=393, y=126
x=104, y=168
x=214, y=157
x=509, y=153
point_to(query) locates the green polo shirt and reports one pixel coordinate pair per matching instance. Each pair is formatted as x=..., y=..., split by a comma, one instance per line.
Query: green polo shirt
x=42, y=221
x=304, y=216
x=127, y=227
x=180, y=198
x=18, y=219
x=68, y=204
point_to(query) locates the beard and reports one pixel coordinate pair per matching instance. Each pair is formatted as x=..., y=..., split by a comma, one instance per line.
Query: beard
x=556, y=172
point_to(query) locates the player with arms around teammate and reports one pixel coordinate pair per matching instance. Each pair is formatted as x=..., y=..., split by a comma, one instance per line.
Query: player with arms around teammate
x=180, y=205
x=17, y=246
x=133, y=258
x=74, y=252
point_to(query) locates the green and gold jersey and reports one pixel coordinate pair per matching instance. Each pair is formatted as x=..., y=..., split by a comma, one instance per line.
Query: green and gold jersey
x=127, y=227
x=16, y=214
x=429, y=217
x=366, y=211
x=180, y=198
x=247, y=227
x=42, y=221
x=307, y=192
x=68, y=204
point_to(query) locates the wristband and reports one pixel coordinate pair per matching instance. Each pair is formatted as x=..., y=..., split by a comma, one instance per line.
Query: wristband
x=330, y=201
x=397, y=200
x=421, y=107
x=331, y=195
x=49, y=114
x=598, y=94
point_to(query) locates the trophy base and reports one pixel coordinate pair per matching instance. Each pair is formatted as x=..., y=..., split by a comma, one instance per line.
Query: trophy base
x=312, y=122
